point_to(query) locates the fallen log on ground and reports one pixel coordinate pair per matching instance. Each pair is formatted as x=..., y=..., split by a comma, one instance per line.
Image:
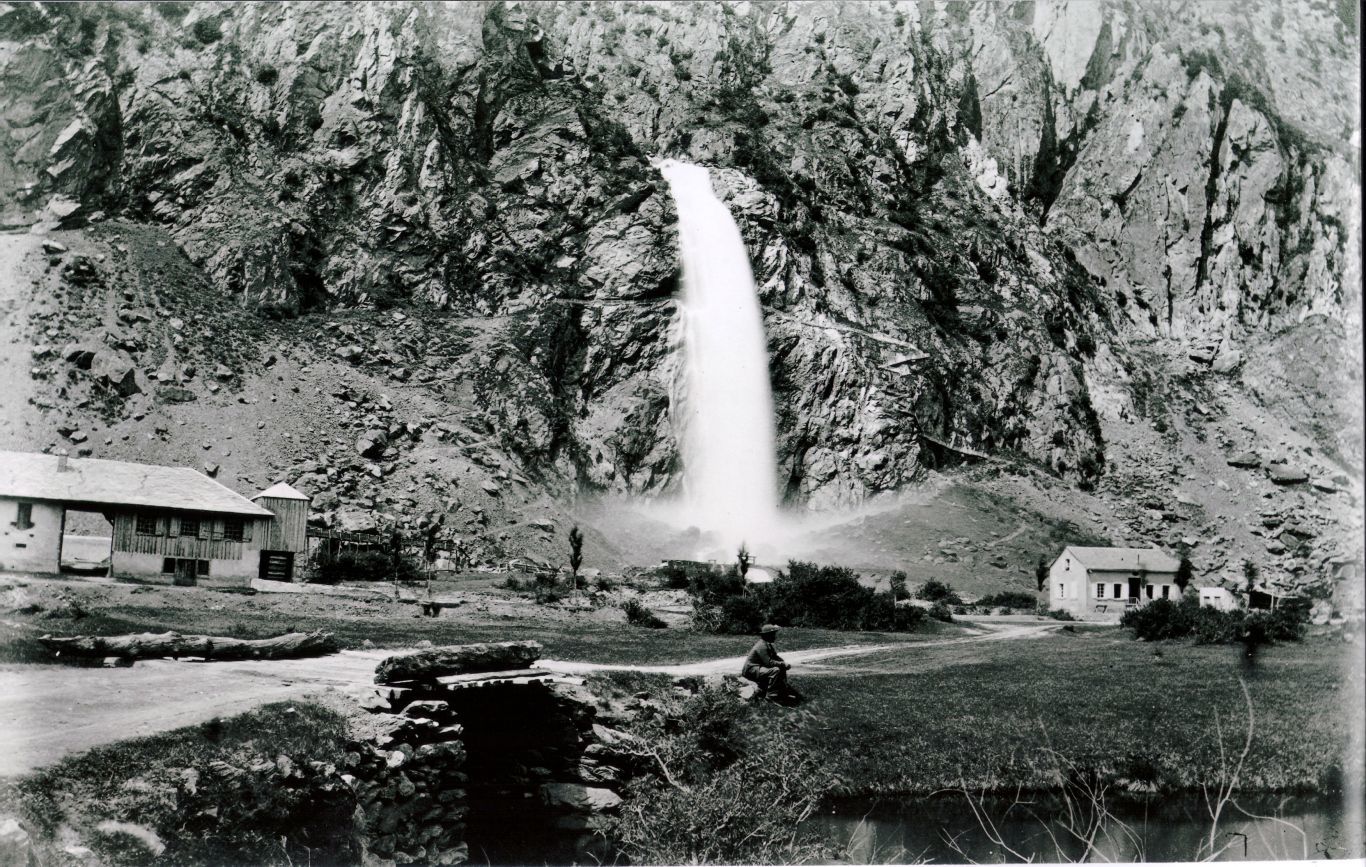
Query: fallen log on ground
x=153, y=645
x=459, y=659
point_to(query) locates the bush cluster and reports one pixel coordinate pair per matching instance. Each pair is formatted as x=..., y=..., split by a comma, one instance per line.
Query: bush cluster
x=1009, y=599
x=721, y=758
x=639, y=615
x=1164, y=619
x=805, y=594
x=935, y=590
x=351, y=564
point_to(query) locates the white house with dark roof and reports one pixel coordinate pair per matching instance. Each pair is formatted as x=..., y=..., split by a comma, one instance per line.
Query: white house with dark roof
x=170, y=524
x=1101, y=583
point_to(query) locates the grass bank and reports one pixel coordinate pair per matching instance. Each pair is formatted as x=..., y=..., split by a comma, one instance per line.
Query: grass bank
x=243, y=790
x=996, y=716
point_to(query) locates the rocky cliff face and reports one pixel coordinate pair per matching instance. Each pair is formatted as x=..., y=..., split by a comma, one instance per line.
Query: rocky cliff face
x=961, y=216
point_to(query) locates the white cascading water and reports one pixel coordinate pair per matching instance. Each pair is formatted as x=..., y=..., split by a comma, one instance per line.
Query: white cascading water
x=726, y=423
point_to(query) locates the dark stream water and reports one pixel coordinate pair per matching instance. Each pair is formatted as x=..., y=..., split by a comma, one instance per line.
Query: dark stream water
x=947, y=828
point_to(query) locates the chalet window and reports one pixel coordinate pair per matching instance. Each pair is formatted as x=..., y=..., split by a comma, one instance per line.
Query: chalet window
x=232, y=529
x=1100, y=591
x=189, y=526
x=168, y=566
x=23, y=520
x=147, y=525
x=202, y=567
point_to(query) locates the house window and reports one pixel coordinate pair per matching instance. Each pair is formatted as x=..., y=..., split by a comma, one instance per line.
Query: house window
x=202, y=567
x=24, y=519
x=1119, y=591
x=168, y=566
x=1149, y=591
x=1062, y=591
x=1166, y=591
x=1100, y=591
x=189, y=526
x=147, y=525
x=232, y=529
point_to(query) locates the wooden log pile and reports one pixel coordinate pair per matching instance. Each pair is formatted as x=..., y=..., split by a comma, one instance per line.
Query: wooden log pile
x=154, y=645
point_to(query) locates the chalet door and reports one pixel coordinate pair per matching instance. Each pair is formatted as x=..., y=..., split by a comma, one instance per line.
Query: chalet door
x=185, y=573
x=277, y=565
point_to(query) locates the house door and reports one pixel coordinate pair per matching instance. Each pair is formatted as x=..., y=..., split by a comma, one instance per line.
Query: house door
x=277, y=565
x=184, y=573
x=1134, y=589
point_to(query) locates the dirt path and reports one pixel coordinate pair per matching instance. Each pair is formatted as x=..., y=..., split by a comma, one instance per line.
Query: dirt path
x=802, y=659
x=48, y=711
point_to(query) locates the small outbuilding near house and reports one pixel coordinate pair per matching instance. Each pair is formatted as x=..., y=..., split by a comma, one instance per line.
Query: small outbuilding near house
x=1101, y=583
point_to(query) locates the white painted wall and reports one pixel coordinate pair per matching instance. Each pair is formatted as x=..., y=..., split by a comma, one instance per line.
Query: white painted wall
x=1067, y=585
x=222, y=573
x=36, y=549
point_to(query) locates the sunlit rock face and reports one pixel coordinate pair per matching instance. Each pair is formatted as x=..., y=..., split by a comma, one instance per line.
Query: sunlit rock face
x=951, y=209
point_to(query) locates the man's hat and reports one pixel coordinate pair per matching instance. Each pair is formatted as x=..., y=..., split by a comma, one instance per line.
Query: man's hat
x=767, y=628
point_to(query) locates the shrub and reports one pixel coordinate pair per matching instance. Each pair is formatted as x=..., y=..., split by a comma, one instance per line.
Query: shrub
x=897, y=585
x=1009, y=599
x=828, y=597
x=1059, y=614
x=940, y=611
x=350, y=564
x=1163, y=619
x=935, y=590
x=639, y=615
x=207, y=30
x=1159, y=620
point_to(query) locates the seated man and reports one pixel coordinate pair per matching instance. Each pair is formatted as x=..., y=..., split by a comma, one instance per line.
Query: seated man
x=766, y=668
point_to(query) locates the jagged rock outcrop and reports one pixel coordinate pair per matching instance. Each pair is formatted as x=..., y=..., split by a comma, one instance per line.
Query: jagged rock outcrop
x=949, y=207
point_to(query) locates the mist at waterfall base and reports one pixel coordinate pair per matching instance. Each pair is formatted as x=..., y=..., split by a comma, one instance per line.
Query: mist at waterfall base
x=723, y=405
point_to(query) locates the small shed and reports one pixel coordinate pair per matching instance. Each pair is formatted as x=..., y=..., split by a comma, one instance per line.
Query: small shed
x=1220, y=598
x=286, y=538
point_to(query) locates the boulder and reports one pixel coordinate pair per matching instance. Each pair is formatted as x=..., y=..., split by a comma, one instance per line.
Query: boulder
x=223, y=373
x=53, y=248
x=211, y=470
x=80, y=354
x=574, y=796
x=1203, y=354
x=350, y=352
x=460, y=659
x=1245, y=461
x=350, y=519
x=1284, y=474
x=371, y=443
x=175, y=394
x=16, y=845
x=133, y=836
x=1228, y=361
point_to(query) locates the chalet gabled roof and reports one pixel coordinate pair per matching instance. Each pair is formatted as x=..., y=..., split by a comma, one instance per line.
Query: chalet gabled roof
x=1123, y=559
x=33, y=476
x=282, y=491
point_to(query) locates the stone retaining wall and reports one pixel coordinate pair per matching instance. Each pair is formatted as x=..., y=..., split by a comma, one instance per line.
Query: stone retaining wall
x=508, y=764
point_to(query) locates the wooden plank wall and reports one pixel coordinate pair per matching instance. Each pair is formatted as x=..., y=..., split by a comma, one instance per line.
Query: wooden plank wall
x=203, y=547
x=289, y=530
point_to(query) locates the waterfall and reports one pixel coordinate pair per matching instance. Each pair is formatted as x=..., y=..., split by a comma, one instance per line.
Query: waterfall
x=725, y=416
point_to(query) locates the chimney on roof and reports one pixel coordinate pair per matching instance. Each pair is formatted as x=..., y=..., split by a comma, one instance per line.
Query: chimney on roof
x=62, y=465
